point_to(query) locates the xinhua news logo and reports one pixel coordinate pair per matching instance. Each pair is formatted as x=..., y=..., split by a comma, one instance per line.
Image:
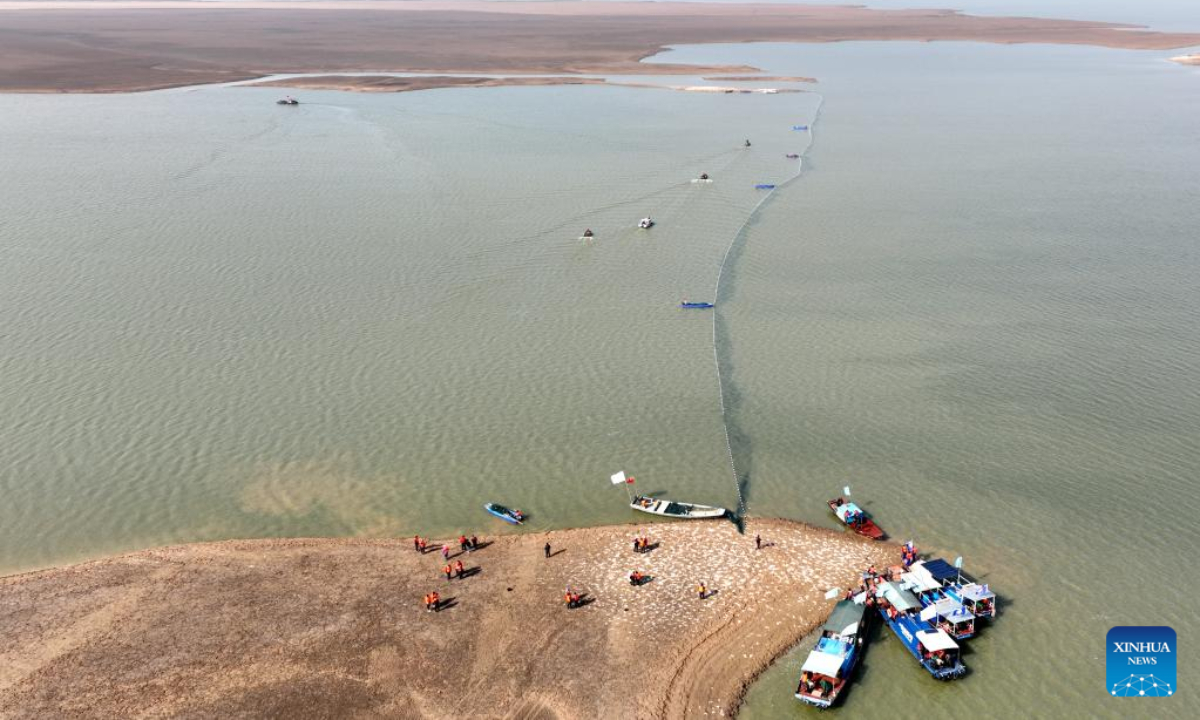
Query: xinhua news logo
x=1141, y=661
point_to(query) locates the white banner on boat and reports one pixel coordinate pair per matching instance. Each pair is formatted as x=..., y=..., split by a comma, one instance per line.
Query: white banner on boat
x=618, y=478
x=833, y=592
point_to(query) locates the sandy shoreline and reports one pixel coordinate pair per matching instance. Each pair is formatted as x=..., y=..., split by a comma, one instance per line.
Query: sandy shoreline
x=328, y=627
x=127, y=46
x=1187, y=59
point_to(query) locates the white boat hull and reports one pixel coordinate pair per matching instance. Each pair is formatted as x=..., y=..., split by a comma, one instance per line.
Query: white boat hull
x=685, y=511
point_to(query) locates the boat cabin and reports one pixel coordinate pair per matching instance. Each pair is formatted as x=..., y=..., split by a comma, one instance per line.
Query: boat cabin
x=939, y=654
x=848, y=512
x=978, y=599
x=829, y=666
x=950, y=615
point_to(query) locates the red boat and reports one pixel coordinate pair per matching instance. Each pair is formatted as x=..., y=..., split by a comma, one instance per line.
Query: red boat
x=855, y=518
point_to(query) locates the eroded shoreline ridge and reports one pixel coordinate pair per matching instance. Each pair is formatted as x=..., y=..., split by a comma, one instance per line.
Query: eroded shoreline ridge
x=318, y=627
x=103, y=46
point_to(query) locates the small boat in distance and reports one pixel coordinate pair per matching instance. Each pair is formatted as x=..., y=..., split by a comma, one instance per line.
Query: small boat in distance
x=694, y=305
x=792, y=156
x=508, y=515
x=646, y=223
x=764, y=186
x=826, y=672
x=855, y=518
x=669, y=508
x=289, y=100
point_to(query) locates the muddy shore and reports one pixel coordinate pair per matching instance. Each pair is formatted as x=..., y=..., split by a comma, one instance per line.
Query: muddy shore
x=331, y=627
x=99, y=46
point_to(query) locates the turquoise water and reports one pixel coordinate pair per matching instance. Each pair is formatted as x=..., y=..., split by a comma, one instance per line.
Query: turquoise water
x=372, y=313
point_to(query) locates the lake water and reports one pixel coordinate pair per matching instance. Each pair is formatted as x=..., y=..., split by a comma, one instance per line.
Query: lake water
x=370, y=314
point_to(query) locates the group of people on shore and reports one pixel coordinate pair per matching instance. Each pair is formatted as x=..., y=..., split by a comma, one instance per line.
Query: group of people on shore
x=641, y=544
x=457, y=569
x=433, y=601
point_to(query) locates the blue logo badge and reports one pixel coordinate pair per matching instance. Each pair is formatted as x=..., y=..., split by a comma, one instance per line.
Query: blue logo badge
x=1141, y=661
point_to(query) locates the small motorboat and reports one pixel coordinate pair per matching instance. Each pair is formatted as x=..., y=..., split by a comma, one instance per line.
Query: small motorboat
x=645, y=223
x=764, y=186
x=800, y=127
x=669, y=508
x=694, y=305
x=792, y=156
x=508, y=515
x=289, y=100
x=855, y=518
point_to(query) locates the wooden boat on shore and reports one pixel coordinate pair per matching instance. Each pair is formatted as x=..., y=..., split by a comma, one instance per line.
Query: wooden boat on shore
x=508, y=515
x=855, y=518
x=670, y=508
x=827, y=671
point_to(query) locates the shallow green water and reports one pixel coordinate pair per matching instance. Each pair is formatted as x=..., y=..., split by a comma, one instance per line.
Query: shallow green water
x=371, y=313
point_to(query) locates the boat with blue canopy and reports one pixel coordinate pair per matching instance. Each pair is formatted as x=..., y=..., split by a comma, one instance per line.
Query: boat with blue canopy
x=828, y=669
x=977, y=598
x=695, y=305
x=933, y=648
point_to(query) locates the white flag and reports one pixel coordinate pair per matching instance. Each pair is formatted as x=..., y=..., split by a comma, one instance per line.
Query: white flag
x=618, y=478
x=846, y=491
x=833, y=592
x=958, y=562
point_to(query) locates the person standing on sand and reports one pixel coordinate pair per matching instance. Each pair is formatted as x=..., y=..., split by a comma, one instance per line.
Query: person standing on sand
x=757, y=542
x=423, y=545
x=446, y=551
x=474, y=542
x=417, y=543
x=462, y=544
x=437, y=601
x=547, y=550
x=459, y=569
x=446, y=570
x=702, y=590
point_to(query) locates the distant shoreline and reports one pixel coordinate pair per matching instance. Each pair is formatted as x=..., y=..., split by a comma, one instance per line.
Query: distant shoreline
x=99, y=46
x=321, y=626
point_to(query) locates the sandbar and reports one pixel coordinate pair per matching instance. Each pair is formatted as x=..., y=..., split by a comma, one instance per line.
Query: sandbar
x=98, y=46
x=336, y=627
x=1187, y=59
x=387, y=83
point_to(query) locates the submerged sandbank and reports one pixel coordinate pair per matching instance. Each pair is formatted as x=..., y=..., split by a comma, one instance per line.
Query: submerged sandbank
x=324, y=627
x=98, y=46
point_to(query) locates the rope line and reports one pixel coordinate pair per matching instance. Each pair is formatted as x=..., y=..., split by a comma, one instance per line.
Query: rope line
x=717, y=305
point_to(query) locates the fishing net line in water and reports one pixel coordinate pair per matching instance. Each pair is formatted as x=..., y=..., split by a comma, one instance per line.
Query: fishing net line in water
x=733, y=241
